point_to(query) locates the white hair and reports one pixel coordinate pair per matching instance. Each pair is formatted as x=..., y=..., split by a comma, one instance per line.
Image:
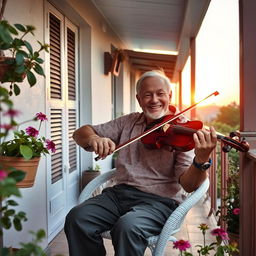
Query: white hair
x=153, y=73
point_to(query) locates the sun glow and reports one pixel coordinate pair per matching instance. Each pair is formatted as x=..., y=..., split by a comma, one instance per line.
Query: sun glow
x=217, y=57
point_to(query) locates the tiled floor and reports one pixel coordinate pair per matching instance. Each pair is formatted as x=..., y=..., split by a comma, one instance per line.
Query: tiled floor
x=189, y=231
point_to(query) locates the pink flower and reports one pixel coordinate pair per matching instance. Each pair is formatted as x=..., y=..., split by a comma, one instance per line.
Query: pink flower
x=50, y=145
x=182, y=245
x=12, y=113
x=220, y=232
x=31, y=131
x=3, y=175
x=6, y=126
x=41, y=116
x=236, y=211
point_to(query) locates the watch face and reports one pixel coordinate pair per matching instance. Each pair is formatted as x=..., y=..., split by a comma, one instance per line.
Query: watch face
x=205, y=166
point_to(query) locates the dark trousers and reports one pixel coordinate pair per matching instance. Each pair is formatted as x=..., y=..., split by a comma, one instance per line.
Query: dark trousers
x=130, y=214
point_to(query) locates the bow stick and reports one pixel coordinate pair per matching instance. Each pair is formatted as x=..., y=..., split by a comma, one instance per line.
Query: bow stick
x=159, y=125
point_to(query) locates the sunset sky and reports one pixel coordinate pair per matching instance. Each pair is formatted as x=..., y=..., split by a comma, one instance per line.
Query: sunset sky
x=217, y=59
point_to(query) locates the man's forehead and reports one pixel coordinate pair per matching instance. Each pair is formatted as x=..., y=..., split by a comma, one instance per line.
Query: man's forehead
x=154, y=83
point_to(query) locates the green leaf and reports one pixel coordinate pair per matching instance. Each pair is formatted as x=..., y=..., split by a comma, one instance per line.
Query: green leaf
x=19, y=58
x=12, y=202
x=26, y=152
x=31, y=78
x=20, y=69
x=5, y=34
x=16, y=89
x=17, y=175
x=6, y=222
x=39, y=60
x=17, y=224
x=10, y=212
x=40, y=234
x=13, y=30
x=20, y=27
x=29, y=47
x=39, y=70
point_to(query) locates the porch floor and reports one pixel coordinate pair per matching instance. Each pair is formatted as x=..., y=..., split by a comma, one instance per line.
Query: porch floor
x=189, y=231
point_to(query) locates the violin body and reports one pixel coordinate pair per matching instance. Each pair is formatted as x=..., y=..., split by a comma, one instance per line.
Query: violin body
x=179, y=136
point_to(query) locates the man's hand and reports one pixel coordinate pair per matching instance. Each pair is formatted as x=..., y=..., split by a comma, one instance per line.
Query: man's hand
x=205, y=142
x=101, y=146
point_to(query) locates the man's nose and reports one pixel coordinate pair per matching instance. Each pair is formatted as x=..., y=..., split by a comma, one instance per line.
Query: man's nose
x=154, y=98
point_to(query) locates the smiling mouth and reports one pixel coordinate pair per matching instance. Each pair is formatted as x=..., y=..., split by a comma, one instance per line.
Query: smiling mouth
x=155, y=107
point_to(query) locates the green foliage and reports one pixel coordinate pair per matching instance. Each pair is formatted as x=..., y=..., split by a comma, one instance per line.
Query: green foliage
x=23, y=145
x=24, y=61
x=229, y=115
x=27, y=249
x=96, y=168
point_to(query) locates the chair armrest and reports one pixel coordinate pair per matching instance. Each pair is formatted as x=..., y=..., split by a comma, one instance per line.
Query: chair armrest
x=94, y=184
x=174, y=222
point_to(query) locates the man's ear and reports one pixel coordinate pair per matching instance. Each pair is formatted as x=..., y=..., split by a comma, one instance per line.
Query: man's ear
x=138, y=99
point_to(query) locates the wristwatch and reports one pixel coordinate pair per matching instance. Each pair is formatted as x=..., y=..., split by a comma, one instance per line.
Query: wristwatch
x=202, y=166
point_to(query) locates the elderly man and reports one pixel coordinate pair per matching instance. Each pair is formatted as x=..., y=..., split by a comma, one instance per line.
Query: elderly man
x=149, y=181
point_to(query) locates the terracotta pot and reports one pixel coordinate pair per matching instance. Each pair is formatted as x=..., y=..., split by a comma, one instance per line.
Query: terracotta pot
x=4, y=68
x=88, y=176
x=28, y=166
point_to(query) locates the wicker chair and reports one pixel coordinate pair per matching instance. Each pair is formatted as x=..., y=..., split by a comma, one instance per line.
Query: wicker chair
x=173, y=224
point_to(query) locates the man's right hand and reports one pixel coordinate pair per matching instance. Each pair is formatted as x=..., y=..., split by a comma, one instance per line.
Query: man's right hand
x=101, y=146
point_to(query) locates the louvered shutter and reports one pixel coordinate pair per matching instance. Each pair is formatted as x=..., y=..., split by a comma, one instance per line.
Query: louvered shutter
x=55, y=57
x=71, y=47
x=72, y=144
x=56, y=136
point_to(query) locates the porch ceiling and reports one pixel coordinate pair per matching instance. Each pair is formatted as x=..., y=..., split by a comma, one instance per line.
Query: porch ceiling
x=156, y=25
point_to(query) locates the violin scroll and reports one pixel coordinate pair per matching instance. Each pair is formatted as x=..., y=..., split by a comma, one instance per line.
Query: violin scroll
x=234, y=141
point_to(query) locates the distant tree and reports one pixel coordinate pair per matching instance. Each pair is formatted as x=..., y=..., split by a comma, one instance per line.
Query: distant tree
x=229, y=115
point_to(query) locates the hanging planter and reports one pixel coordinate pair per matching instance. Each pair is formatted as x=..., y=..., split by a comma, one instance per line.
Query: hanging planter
x=7, y=70
x=19, y=163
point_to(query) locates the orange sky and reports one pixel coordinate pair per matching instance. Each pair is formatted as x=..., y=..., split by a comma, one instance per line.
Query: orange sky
x=217, y=59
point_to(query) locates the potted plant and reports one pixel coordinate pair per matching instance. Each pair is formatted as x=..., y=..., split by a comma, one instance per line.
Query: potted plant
x=24, y=150
x=89, y=174
x=17, y=57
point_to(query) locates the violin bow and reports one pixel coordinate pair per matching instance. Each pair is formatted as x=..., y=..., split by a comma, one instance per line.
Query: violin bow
x=120, y=146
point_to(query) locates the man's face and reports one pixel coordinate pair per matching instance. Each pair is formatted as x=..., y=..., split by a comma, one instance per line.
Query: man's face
x=154, y=98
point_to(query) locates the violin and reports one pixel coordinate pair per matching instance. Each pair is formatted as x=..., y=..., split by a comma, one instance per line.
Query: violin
x=155, y=138
x=179, y=136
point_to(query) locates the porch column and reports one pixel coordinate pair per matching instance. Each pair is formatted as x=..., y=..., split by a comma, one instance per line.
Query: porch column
x=193, y=76
x=248, y=126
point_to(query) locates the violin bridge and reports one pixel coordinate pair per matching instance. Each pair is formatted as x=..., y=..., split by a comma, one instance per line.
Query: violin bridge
x=166, y=127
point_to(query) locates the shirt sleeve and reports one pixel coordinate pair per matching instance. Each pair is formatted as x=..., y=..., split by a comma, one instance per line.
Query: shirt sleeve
x=183, y=161
x=111, y=129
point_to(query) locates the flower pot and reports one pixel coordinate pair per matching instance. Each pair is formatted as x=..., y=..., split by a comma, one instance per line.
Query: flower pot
x=88, y=176
x=28, y=166
x=5, y=67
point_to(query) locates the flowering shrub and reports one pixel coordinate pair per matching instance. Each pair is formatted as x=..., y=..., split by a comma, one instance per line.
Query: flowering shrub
x=231, y=203
x=220, y=247
x=26, y=143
